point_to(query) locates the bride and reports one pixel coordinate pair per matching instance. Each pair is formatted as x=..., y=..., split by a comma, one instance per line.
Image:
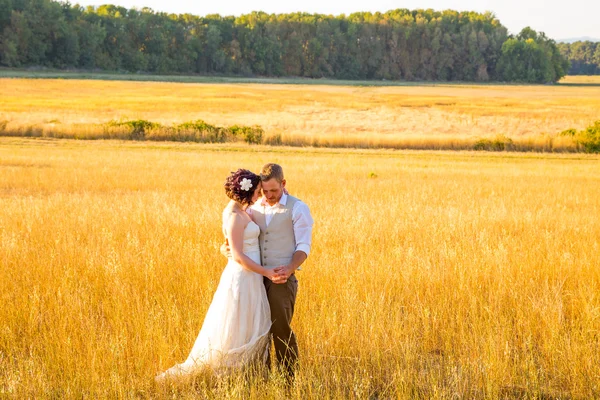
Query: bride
x=236, y=328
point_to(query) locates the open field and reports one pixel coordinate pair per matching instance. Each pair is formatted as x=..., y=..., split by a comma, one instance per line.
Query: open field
x=426, y=116
x=432, y=274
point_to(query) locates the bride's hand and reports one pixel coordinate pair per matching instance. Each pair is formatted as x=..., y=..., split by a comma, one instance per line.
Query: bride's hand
x=270, y=274
x=225, y=250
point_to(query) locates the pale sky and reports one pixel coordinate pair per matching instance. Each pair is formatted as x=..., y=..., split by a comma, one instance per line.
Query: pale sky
x=558, y=19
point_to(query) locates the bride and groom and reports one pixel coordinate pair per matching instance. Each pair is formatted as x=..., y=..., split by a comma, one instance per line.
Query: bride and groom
x=268, y=238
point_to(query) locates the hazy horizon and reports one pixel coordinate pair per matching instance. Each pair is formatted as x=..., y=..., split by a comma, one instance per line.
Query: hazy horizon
x=551, y=17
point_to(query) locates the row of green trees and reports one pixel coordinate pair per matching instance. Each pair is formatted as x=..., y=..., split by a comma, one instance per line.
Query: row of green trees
x=399, y=44
x=584, y=57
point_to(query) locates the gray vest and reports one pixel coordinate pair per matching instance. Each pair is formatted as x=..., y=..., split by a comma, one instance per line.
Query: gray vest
x=277, y=241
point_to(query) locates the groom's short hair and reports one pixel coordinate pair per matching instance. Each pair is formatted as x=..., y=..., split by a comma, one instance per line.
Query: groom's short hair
x=271, y=171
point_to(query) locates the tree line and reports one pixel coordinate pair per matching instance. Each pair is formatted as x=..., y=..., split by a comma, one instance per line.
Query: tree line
x=397, y=45
x=583, y=56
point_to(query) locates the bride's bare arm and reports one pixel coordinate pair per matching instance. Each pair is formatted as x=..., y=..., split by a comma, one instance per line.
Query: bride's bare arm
x=235, y=236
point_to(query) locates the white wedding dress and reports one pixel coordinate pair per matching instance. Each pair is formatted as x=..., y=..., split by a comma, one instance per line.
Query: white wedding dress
x=236, y=328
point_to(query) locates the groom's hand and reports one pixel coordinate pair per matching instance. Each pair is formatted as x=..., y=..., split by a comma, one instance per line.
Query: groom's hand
x=282, y=273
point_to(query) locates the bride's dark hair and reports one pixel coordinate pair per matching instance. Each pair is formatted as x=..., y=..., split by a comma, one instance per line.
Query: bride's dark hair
x=234, y=188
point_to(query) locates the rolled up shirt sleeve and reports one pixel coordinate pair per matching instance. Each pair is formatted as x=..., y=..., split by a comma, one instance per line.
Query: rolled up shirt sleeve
x=303, y=224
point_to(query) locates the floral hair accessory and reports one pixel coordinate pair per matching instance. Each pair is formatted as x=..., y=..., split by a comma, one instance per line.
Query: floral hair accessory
x=246, y=184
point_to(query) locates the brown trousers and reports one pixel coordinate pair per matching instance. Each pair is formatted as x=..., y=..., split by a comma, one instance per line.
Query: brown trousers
x=282, y=298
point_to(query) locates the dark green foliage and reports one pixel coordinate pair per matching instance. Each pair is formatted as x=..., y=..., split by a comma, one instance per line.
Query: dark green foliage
x=588, y=139
x=531, y=57
x=583, y=56
x=398, y=44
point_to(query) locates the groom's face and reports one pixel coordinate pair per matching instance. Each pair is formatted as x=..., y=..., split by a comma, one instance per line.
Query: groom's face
x=272, y=190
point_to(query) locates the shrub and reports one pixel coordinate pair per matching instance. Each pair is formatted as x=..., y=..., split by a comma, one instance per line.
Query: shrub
x=254, y=135
x=137, y=128
x=198, y=125
x=588, y=139
x=250, y=134
x=200, y=131
x=191, y=131
x=499, y=143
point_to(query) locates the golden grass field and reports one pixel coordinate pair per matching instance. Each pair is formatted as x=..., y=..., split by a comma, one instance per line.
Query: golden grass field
x=418, y=116
x=432, y=274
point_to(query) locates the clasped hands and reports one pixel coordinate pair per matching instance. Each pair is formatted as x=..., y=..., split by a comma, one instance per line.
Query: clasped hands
x=277, y=275
x=281, y=274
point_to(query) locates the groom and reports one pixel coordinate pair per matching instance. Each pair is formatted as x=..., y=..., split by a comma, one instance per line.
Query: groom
x=285, y=239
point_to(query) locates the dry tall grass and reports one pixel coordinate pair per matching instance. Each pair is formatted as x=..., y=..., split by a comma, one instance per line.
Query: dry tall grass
x=430, y=116
x=432, y=275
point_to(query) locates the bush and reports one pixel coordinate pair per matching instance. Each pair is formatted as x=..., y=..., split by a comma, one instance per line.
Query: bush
x=588, y=139
x=200, y=131
x=191, y=131
x=254, y=135
x=250, y=134
x=499, y=143
x=198, y=125
x=137, y=128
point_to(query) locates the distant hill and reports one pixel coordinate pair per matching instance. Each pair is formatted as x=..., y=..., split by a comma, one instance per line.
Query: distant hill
x=579, y=39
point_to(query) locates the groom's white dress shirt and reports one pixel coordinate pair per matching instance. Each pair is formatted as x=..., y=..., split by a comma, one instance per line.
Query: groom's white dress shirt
x=302, y=220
